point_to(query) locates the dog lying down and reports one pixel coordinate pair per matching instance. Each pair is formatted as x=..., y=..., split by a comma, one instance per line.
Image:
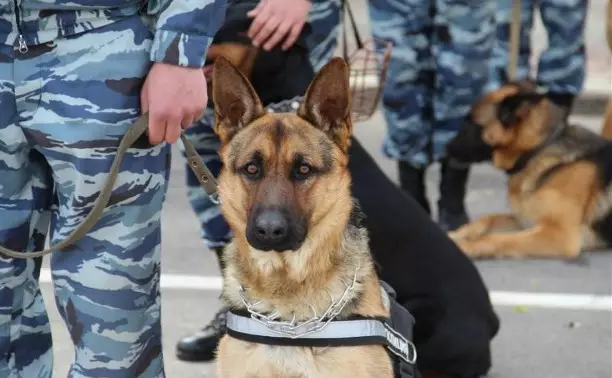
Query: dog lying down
x=293, y=163
x=559, y=178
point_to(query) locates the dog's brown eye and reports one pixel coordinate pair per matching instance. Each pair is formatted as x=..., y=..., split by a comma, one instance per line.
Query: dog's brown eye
x=252, y=169
x=304, y=169
x=302, y=172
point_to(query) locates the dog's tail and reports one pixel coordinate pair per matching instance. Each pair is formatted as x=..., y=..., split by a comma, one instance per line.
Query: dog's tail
x=606, y=130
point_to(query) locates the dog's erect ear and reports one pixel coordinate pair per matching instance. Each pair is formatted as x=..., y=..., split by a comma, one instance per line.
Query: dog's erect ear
x=514, y=109
x=236, y=102
x=327, y=103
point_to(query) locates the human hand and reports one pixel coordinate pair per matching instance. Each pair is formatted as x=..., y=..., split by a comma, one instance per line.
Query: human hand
x=174, y=97
x=275, y=20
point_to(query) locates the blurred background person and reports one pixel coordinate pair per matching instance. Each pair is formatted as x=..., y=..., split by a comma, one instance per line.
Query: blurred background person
x=561, y=67
x=439, y=67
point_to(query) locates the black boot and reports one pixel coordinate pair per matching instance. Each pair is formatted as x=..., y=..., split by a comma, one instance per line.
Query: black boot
x=412, y=181
x=202, y=346
x=451, y=207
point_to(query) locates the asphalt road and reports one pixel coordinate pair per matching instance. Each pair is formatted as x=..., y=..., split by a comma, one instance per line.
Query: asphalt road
x=545, y=336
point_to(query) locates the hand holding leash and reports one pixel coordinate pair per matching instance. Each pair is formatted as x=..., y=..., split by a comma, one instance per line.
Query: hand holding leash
x=174, y=97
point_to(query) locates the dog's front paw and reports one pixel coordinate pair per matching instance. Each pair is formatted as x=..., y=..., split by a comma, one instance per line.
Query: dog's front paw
x=456, y=235
x=471, y=231
x=475, y=249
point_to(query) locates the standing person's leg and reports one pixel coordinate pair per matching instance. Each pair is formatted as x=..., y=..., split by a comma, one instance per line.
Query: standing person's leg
x=499, y=60
x=464, y=35
x=83, y=93
x=25, y=200
x=324, y=23
x=562, y=65
x=407, y=93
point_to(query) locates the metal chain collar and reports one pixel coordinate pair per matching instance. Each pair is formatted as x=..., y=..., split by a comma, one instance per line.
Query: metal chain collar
x=285, y=106
x=293, y=329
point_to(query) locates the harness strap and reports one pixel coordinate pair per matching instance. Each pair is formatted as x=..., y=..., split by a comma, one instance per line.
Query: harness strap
x=205, y=177
x=353, y=332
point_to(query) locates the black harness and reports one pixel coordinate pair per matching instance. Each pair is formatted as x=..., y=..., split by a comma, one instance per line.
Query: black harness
x=395, y=333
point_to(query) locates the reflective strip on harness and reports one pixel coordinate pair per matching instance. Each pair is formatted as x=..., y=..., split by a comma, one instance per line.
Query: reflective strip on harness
x=337, y=333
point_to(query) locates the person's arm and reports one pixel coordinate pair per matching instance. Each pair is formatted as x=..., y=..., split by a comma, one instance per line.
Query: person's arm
x=185, y=29
x=174, y=92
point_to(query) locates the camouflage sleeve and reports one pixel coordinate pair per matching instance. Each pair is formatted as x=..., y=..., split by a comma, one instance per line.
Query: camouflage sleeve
x=185, y=29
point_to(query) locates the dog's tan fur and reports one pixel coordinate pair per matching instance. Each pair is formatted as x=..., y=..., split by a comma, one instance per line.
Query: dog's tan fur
x=553, y=210
x=334, y=250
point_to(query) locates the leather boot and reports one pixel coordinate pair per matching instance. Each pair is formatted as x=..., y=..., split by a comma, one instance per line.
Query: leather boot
x=202, y=345
x=412, y=181
x=451, y=207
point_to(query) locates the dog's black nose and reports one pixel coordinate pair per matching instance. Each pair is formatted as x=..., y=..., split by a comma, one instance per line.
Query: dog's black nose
x=269, y=231
x=271, y=225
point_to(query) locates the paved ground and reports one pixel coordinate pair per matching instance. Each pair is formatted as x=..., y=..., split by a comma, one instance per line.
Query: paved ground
x=550, y=338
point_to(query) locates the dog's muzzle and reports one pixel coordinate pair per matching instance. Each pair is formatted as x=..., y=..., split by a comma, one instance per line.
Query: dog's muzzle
x=274, y=229
x=468, y=146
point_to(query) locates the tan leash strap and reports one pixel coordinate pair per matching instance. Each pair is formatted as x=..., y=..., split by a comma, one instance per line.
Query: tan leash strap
x=515, y=40
x=205, y=178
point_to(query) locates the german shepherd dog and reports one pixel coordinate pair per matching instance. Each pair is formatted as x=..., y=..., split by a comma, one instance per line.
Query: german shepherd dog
x=559, y=184
x=432, y=278
x=285, y=192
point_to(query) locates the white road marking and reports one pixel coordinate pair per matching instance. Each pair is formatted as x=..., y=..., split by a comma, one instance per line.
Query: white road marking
x=588, y=302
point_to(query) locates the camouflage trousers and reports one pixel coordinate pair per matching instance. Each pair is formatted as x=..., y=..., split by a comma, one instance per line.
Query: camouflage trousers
x=439, y=67
x=324, y=19
x=561, y=67
x=63, y=108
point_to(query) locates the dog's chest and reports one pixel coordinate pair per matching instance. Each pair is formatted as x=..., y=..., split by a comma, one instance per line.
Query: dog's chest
x=307, y=362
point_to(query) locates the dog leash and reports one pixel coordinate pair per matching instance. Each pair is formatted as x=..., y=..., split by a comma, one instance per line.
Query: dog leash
x=515, y=40
x=203, y=174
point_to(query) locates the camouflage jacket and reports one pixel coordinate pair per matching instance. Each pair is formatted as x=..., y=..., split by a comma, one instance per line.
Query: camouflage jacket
x=183, y=28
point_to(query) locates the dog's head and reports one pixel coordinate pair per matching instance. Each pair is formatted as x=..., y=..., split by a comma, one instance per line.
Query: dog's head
x=283, y=174
x=513, y=119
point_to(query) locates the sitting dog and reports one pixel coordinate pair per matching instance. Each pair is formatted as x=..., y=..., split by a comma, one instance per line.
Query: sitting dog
x=559, y=178
x=298, y=249
x=438, y=284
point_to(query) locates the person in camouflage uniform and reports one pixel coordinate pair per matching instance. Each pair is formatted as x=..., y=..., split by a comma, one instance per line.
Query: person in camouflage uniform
x=71, y=74
x=439, y=67
x=561, y=67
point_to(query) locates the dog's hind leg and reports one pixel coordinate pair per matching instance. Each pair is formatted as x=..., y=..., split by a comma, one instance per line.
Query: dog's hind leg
x=485, y=225
x=545, y=240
